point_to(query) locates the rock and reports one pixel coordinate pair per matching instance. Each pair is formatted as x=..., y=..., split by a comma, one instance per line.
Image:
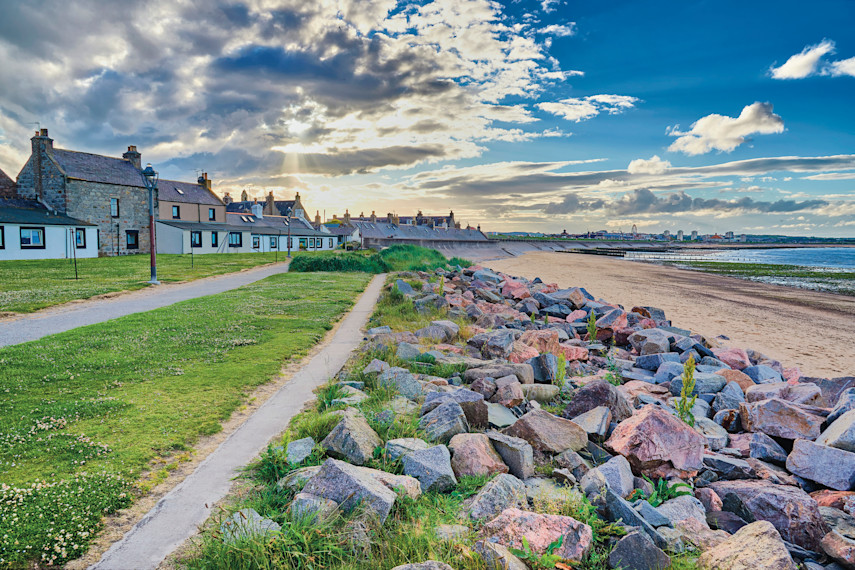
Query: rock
x=508, y=392
x=729, y=420
x=715, y=435
x=429, y=565
x=709, y=499
x=658, y=444
x=545, y=367
x=542, y=340
x=765, y=391
x=452, y=329
x=523, y=372
x=548, y=433
x=841, y=500
x=726, y=521
x=407, y=351
x=844, y=404
x=729, y=398
x=595, y=394
x=595, y=422
x=804, y=393
x=741, y=379
x=473, y=454
x=654, y=361
x=682, y=508
x=615, y=474
x=472, y=403
x=841, y=433
x=247, y=523
x=793, y=512
x=449, y=532
x=486, y=275
x=498, y=557
x=402, y=406
x=636, y=551
x=771, y=473
x=698, y=533
x=650, y=341
x=762, y=374
x=756, y=546
x=352, y=439
x=503, y=492
x=498, y=416
x=297, y=451
x=379, y=330
x=543, y=393
x=396, y=448
x=540, y=530
x=618, y=510
x=430, y=303
x=832, y=389
x=305, y=505
x=728, y=468
x=375, y=367
x=516, y=453
x=444, y=422
x=352, y=398
x=839, y=547
x=295, y=480
x=404, y=287
x=349, y=486
x=828, y=466
x=736, y=358
x=759, y=446
x=485, y=386
x=401, y=380
x=649, y=513
x=499, y=344
x=705, y=383
x=432, y=467
x=780, y=418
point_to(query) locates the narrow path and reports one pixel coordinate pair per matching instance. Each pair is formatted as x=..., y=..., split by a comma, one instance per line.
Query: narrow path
x=80, y=313
x=177, y=516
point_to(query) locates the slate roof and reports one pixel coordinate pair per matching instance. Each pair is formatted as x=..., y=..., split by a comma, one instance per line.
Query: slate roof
x=97, y=168
x=168, y=191
x=284, y=207
x=341, y=230
x=386, y=230
x=271, y=225
x=30, y=212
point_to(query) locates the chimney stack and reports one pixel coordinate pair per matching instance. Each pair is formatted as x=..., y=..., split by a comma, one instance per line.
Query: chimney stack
x=133, y=157
x=227, y=199
x=204, y=181
x=373, y=217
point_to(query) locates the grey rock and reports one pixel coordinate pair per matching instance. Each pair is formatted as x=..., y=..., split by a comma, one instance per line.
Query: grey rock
x=402, y=406
x=498, y=416
x=402, y=380
x=729, y=398
x=651, y=515
x=545, y=368
x=433, y=333
x=430, y=303
x=759, y=392
x=599, y=393
x=295, y=480
x=486, y=275
x=352, y=398
x=667, y=371
x=618, y=509
x=841, y=433
x=502, y=492
x=705, y=383
x=542, y=393
x=396, y=448
x=517, y=454
x=716, y=435
x=404, y=287
x=352, y=439
x=759, y=446
x=682, y=508
x=650, y=341
x=432, y=467
x=452, y=329
x=499, y=344
x=548, y=490
x=349, y=486
x=379, y=330
x=728, y=468
x=616, y=474
x=845, y=403
x=247, y=523
x=444, y=422
x=827, y=466
x=636, y=551
x=407, y=351
x=375, y=367
x=497, y=556
x=654, y=361
x=297, y=451
x=305, y=505
x=595, y=422
x=762, y=374
x=461, y=396
x=428, y=565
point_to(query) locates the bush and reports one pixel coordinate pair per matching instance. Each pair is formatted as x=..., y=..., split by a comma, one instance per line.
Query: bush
x=339, y=261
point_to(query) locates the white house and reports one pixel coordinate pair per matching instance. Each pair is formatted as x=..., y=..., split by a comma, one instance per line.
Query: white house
x=28, y=230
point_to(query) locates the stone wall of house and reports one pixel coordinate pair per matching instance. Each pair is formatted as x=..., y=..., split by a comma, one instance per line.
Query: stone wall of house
x=7, y=186
x=53, y=191
x=90, y=201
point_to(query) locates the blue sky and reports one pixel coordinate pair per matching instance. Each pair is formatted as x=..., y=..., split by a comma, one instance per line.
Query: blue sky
x=538, y=114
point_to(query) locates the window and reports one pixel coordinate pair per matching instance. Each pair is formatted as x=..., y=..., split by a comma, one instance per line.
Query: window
x=303, y=243
x=114, y=207
x=80, y=238
x=273, y=243
x=176, y=212
x=32, y=238
x=235, y=239
x=132, y=239
x=256, y=242
x=2, y=238
x=195, y=239
x=212, y=214
x=179, y=190
x=214, y=239
x=331, y=244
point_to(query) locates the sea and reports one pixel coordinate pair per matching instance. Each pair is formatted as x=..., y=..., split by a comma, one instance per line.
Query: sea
x=830, y=257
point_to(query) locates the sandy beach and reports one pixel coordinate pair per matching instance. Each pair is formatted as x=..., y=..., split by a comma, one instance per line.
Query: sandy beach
x=812, y=330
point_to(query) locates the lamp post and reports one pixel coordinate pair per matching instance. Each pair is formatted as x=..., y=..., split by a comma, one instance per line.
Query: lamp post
x=150, y=178
x=289, y=237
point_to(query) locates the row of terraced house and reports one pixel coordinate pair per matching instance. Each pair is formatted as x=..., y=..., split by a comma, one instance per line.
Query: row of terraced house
x=66, y=203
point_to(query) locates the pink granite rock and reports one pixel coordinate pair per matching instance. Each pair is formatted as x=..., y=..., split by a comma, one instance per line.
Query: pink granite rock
x=522, y=353
x=779, y=418
x=572, y=353
x=548, y=433
x=540, y=531
x=709, y=498
x=473, y=454
x=508, y=392
x=841, y=500
x=576, y=315
x=543, y=341
x=736, y=358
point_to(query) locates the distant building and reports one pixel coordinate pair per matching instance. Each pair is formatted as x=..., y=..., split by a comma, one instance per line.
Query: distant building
x=728, y=235
x=7, y=186
x=694, y=235
x=271, y=206
x=666, y=234
x=680, y=235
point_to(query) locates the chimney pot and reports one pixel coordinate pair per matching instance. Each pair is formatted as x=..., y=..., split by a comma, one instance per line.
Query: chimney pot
x=43, y=132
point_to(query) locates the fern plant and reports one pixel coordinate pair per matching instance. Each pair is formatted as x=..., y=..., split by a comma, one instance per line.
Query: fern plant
x=662, y=491
x=687, y=402
x=592, y=327
x=539, y=561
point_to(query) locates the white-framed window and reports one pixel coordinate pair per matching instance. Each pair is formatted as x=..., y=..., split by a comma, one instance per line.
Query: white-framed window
x=273, y=244
x=311, y=243
x=80, y=238
x=195, y=239
x=256, y=242
x=331, y=243
x=32, y=238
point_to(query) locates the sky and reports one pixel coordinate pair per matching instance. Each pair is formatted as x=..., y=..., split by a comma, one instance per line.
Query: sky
x=527, y=115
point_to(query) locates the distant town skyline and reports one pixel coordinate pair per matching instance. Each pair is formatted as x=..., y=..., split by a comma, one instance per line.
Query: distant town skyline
x=525, y=115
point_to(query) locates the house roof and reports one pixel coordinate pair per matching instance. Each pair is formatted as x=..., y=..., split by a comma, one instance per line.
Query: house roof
x=271, y=224
x=268, y=228
x=340, y=229
x=175, y=191
x=98, y=168
x=386, y=230
x=6, y=181
x=284, y=207
x=30, y=212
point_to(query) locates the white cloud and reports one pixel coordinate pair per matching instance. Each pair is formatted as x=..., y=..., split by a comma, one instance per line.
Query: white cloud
x=723, y=133
x=653, y=165
x=580, y=109
x=549, y=6
x=831, y=176
x=843, y=67
x=804, y=64
x=559, y=30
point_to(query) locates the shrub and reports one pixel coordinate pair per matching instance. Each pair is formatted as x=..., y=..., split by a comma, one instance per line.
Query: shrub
x=339, y=261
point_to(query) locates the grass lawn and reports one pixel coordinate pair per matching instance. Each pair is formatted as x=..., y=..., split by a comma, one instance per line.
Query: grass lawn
x=83, y=413
x=27, y=286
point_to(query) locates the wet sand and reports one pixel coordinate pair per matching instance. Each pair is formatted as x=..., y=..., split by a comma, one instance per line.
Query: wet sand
x=812, y=330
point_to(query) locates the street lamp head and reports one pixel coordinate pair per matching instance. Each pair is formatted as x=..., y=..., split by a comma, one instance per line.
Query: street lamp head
x=150, y=175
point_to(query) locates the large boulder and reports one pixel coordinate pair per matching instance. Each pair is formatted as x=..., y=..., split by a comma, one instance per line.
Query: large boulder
x=401, y=380
x=298, y=450
x=762, y=374
x=595, y=422
x=828, y=466
x=841, y=432
x=508, y=392
x=512, y=525
x=759, y=446
x=658, y=444
x=502, y=492
x=444, y=422
x=396, y=448
x=548, y=433
x=247, y=523
x=432, y=467
x=682, y=508
x=736, y=358
x=756, y=546
x=472, y=403
x=473, y=454
x=792, y=511
x=636, y=551
x=352, y=439
x=543, y=340
x=595, y=394
x=516, y=453
x=650, y=341
x=779, y=418
x=705, y=383
x=614, y=474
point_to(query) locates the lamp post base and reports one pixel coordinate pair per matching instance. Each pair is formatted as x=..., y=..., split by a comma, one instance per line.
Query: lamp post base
x=154, y=282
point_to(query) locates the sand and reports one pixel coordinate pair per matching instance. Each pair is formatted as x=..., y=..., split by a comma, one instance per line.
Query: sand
x=812, y=330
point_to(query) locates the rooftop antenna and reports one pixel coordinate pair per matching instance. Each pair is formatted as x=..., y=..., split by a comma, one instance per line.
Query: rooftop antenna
x=36, y=123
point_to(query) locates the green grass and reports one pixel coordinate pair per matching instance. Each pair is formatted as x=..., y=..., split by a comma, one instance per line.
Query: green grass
x=27, y=286
x=112, y=397
x=393, y=258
